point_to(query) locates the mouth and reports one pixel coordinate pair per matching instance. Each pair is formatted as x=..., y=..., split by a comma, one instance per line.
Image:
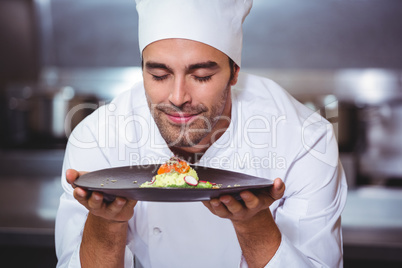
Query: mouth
x=181, y=118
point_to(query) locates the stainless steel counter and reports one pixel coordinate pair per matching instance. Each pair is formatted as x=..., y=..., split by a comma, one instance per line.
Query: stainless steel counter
x=28, y=208
x=29, y=196
x=372, y=224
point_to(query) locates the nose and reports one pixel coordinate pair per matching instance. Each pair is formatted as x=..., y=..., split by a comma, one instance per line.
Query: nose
x=179, y=94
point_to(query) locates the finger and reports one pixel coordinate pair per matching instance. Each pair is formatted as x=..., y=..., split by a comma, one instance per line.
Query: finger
x=81, y=196
x=269, y=196
x=277, y=190
x=95, y=201
x=131, y=203
x=116, y=206
x=232, y=205
x=219, y=209
x=121, y=209
x=208, y=204
x=72, y=175
x=263, y=199
x=251, y=201
x=127, y=210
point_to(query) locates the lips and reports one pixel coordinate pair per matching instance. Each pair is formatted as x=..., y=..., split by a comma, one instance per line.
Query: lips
x=180, y=115
x=181, y=118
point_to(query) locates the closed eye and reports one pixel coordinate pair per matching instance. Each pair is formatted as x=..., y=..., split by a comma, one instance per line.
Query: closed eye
x=203, y=78
x=159, y=77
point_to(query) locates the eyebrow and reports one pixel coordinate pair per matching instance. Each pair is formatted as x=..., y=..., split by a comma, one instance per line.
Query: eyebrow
x=157, y=65
x=201, y=65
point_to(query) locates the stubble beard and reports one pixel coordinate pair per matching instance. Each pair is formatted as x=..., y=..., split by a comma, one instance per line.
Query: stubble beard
x=191, y=134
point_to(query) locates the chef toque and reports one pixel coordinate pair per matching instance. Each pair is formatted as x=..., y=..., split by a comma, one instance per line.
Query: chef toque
x=217, y=23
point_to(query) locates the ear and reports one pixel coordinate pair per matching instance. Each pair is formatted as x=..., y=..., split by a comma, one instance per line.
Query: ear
x=235, y=75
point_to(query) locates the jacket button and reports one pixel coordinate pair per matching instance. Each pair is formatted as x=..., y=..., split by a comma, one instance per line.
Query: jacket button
x=157, y=231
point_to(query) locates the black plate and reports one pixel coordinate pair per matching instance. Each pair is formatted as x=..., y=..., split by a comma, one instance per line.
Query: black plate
x=126, y=181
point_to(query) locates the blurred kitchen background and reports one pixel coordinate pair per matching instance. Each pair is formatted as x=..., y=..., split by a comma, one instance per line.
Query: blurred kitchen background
x=342, y=59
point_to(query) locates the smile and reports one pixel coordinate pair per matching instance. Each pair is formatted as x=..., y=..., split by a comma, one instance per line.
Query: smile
x=180, y=118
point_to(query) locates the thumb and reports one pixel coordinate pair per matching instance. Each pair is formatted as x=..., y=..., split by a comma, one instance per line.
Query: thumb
x=72, y=175
x=277, y=189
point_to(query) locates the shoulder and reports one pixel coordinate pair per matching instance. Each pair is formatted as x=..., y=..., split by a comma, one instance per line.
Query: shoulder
x=294, y=127
x=264, y=95
x=128, y=103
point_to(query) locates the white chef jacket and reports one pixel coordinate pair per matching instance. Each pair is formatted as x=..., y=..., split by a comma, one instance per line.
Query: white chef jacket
x=270, y=135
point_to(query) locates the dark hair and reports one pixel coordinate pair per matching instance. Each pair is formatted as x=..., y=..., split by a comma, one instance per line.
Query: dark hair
x=232, y=66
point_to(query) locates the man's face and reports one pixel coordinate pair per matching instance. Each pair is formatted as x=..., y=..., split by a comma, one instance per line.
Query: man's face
x=187, y=84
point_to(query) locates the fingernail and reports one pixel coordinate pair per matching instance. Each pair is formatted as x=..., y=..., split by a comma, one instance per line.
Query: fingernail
x=120, y=201
x=225, y=199
x=281, y=186
x=215, y=203
x=97, y=197
x=80, y=193
x=245, y=195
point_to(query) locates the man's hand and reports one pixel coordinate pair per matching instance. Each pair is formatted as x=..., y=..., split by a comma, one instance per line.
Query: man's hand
x=120, y=210
x=256, y=230
x=105, y=232
x=228, y=207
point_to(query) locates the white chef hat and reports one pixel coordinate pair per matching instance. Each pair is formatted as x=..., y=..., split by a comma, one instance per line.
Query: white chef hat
x=217, y=23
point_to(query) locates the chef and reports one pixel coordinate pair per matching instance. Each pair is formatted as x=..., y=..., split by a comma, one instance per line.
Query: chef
x=194, y=103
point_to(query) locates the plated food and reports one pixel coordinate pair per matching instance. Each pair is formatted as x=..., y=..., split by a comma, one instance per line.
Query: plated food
x=177, y=173
x=127, y=181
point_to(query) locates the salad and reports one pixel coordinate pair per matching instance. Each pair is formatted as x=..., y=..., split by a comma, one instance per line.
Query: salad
x=177, y=173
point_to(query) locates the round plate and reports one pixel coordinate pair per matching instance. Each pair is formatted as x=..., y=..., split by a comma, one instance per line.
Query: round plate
x=126, y=181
